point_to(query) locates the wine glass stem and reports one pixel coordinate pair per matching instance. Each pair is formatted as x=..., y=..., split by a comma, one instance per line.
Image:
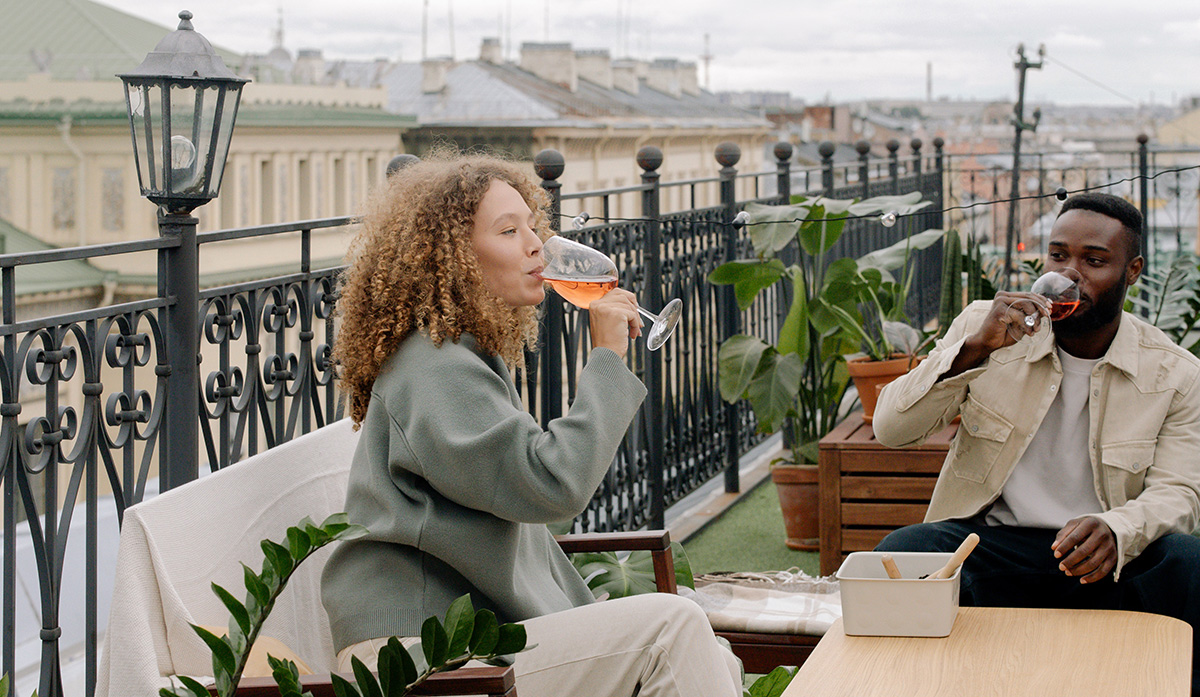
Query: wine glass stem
x=647, y=314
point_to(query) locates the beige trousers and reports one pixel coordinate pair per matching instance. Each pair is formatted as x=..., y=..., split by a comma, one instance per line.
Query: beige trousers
x=652, y=645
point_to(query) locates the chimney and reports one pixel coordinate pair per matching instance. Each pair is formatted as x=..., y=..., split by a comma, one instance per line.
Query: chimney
x=689, y=79
x=490, y=51
x=625, y=77
x=595, y=66
x=551, y=62
x=663, y=75
x=309, y=68
x=433, y=74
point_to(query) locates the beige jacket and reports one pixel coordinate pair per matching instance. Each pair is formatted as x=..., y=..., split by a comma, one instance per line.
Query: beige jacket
x=1145, y=425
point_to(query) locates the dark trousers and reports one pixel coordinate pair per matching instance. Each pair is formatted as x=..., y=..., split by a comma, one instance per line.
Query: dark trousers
x=1015, y=567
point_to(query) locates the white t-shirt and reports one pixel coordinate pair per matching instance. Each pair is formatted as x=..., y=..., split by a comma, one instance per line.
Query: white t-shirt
x=1053, y=482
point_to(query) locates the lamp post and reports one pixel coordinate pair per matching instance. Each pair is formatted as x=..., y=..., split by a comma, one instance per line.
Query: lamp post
x=182, y=101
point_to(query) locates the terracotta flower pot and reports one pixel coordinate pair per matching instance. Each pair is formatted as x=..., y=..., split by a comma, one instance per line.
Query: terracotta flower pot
x=870, y=376
x=797, y=486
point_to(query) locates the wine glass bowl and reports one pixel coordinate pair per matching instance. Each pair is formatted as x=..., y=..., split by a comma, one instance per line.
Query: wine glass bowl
x=1061, y=290
x=581, y=275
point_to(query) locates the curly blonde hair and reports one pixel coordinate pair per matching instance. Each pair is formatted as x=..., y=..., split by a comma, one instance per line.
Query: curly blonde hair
x=413, y=268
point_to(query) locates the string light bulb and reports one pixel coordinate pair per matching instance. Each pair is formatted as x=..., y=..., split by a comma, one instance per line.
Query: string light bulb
x=741, y=219
x=1060, y=193
x=580, y=220
x=888, y=219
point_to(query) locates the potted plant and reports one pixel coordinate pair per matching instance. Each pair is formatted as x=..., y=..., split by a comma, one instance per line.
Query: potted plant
x=891, y=345
x=801, y=377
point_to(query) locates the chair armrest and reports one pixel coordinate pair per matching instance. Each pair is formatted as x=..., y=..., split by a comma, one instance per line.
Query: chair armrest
x=492, y=681
x=657, y=542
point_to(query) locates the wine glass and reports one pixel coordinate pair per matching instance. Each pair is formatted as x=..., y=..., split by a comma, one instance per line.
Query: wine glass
x=1061, y=290
x=581, y=274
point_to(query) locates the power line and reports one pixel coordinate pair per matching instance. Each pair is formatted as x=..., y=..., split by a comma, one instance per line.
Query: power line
x=1094, y=81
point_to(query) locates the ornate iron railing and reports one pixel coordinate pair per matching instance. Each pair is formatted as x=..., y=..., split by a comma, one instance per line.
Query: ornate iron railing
x=85, y=396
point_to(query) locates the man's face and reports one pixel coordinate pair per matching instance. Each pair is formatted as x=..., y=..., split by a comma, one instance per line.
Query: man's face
x=1098, y=248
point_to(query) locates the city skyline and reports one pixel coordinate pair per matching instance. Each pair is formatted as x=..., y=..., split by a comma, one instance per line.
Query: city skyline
x=1096, y=53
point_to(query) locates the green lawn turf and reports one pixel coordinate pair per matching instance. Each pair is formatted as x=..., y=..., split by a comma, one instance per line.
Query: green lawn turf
x=749, y=536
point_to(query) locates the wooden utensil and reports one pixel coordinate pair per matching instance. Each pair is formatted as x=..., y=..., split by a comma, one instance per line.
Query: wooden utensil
x=889, y=565
x=959, y=556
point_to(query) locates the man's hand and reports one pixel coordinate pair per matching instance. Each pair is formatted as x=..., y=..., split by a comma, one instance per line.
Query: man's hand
x=1086, y=548
x=1004, y=325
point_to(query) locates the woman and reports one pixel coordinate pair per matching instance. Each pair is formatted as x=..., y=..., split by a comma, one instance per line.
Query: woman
x=453, y=479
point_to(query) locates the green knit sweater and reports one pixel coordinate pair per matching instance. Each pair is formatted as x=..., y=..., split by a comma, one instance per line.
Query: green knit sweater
x=455, y=482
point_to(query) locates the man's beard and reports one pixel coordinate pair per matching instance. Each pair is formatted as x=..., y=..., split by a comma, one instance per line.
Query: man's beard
x=1103, y=310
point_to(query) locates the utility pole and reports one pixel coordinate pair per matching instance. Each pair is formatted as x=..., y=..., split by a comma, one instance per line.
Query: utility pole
x=1020, y=126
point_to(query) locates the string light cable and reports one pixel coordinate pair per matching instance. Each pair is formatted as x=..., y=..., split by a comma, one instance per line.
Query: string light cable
x=888, y=218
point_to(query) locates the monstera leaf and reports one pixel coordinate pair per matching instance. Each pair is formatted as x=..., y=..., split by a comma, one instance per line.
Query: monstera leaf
x=622, y=574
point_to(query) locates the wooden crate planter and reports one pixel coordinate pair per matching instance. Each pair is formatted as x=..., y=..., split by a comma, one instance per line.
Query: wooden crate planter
x=868, y=490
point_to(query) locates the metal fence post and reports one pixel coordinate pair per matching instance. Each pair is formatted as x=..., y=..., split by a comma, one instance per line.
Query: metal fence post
x=783, y=171
x=549, y=165
x=650, y=158
x=728, y=155
x=1144, y=192
x=939, y=163
x=180, y=279
x=826, y=149
x=893, y=147
x=863, y=148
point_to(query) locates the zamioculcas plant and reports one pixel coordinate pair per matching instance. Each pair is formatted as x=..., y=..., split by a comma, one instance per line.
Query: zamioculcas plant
x=231, y=651
x=465, y=634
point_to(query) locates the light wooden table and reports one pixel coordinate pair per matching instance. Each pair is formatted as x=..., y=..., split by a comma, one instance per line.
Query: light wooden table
x=1009, y=652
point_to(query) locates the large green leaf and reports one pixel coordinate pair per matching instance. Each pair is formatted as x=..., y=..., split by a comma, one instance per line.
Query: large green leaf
x=773, y=393
x=434, y=642
x=460, y=623
x=904, y=204
x=485, y=634
x=512, y=639
x=822, y=229
x=365, y=679
x=748, y=277
x=737, y=363
x=793, y=335
x=894, y=256
x=773, y=227
x=772, y=684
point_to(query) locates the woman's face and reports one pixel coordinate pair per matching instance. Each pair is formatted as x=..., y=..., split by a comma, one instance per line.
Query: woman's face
x=507, y=246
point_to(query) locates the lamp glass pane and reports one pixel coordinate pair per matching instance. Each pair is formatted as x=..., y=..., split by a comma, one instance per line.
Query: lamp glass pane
x=188, y=147
x=229, y=107
x=145, y=110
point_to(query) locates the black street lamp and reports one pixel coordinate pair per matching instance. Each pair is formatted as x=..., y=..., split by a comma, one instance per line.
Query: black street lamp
x=182, y=101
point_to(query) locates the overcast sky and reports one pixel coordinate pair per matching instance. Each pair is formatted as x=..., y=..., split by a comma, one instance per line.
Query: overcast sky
x=1097, y=51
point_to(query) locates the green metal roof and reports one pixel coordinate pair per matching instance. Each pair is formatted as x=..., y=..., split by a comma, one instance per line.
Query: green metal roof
x=79, y=39
x=85, y=112
x=312, y=115
x=47, y=278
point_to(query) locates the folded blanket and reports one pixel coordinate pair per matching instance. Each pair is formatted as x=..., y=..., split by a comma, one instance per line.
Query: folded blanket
x=774, y=602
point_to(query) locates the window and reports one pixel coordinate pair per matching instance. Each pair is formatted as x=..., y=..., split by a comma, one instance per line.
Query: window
x=282, y=210
x=304, y=198
x=319, y=196
x=64, y=198
x=5, y=195
x=339, y=186
x=266, y=213
x=112, y=199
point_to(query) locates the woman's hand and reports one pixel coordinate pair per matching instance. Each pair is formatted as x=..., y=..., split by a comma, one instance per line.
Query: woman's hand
x=614, y=320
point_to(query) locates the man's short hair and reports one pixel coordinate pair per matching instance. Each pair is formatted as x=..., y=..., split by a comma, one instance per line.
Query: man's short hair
x=1114, y=207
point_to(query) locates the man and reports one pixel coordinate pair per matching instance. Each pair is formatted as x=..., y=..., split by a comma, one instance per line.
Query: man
x=1078, y=458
